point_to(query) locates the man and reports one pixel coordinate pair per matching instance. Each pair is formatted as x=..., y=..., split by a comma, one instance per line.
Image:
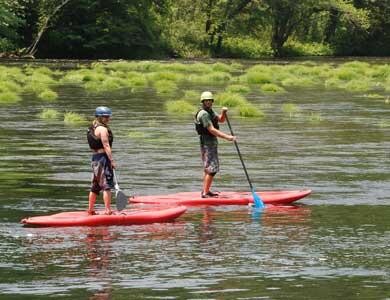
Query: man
x=206, y=123
x=100, y=139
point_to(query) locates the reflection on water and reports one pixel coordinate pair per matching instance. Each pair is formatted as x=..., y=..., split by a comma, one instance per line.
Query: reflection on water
x=333, y=245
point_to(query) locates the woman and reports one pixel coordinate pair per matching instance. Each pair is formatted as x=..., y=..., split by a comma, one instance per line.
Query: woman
x=100, y=140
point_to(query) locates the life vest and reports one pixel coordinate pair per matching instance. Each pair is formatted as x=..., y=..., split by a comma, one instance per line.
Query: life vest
x=94, y=142
x=199, y=126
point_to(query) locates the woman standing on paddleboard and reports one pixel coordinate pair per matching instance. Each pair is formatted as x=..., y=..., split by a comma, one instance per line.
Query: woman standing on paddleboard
x=100, y=140
x=206, y=123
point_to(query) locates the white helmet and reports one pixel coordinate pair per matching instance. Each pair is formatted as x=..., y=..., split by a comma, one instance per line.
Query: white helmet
x=206, y=96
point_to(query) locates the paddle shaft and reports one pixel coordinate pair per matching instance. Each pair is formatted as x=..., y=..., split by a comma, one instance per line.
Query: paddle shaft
x=239, y=154
x=116, y=180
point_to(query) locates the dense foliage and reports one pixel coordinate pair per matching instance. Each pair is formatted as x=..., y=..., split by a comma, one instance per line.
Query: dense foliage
x=194, y=28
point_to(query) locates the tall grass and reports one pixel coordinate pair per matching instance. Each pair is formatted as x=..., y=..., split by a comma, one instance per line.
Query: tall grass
x=48, y=95
x=49, y=114
x=8, y=98
x=272, y=88
x=290, y=109
x=165, y=87
x=74, y=119
x=179, y=107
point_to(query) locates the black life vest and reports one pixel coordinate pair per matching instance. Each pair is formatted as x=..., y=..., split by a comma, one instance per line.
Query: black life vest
x=94, y=142
x=199, y=126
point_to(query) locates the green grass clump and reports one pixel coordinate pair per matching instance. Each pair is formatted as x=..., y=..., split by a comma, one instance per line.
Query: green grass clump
x=373, y=96
x=165, y=87
x=12, y=74
x=40, y=70
x=298, y=82
x=357, y=86
x=7, y=98
x=177, y=67
x=346, y=74
x=250, y=111
x=49, y=114
x=217, y=77
x=112, y=84
x=230, y=99
x=199, y=68
x=10, y=86
x=48, y=95
x=191, y=97
x=221, y=67
x=72, y=118
x=137, y=80
x=179, y=107
x=315, y=118
x=41, y=78
x=332, y=82
x=381, y=72
x=72, y=77
x=238, y=88
x=93, y=87
x=82, y=76
x=166, y=75
x=290, y=109
x=35, y=88
x=258, y=77
x=272, y=88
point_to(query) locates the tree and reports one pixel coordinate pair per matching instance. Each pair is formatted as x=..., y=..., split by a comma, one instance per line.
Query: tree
x=104, y=29
x=287, y=16
x=219, y=15
x=47, y=11
x=10, y=21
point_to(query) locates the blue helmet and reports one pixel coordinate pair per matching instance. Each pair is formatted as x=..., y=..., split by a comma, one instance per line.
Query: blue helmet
x=103, y=111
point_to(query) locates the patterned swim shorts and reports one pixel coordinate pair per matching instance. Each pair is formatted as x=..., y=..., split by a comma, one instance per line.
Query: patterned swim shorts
x=210, y=158
x=102, y=173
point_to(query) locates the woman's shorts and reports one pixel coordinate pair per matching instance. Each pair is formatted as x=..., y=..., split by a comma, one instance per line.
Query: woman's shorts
x=102, y=173
x=210, y=159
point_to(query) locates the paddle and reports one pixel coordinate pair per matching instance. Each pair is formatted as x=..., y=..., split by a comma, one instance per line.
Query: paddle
x=121, y=198
x=256, y=198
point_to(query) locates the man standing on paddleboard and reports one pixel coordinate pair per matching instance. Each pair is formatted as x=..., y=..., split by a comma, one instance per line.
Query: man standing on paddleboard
x=100, y=140
x=206, y=124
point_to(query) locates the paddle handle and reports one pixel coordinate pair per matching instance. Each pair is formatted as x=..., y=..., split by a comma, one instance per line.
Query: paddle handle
x=239, y=154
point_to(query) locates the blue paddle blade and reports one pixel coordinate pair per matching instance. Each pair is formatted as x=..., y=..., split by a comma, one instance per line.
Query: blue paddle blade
x=257, y=200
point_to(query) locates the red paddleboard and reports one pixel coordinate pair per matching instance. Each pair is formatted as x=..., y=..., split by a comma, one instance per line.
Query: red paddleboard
x=125, y=217
x=224, y=198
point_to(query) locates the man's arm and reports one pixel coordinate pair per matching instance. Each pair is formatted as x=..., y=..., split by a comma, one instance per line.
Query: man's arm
x=218, y=133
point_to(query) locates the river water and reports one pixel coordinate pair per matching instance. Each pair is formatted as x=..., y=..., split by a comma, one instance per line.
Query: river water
x=335, y=245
